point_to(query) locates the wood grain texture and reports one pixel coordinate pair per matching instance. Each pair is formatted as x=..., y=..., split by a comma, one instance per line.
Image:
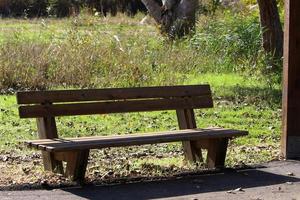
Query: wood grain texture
x=216, y=152
x=38, y=97
x=76, y=165
x=114, y=107
x=47, y=130
x=186, y=120
x=98, y=142
x=290, y=137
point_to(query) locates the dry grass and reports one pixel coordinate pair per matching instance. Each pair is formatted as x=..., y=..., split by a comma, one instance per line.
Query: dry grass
x=89, y=56
x=88, y=51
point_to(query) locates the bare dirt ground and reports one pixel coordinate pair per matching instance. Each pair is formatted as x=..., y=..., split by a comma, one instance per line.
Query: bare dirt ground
x=21, y=170
x=275, y=180
x=116, y=165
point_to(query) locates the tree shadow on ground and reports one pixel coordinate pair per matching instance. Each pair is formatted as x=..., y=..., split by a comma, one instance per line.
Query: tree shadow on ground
x=225, y=181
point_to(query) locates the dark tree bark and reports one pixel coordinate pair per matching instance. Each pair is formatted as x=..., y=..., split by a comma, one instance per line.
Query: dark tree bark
x=175, y=17
x=272, y=29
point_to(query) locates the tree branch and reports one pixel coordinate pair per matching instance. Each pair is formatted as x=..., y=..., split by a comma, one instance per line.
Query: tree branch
x=154, y=9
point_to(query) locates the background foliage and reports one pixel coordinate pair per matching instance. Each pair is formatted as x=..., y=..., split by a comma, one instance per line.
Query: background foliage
x=64, y=8
x=50, y=53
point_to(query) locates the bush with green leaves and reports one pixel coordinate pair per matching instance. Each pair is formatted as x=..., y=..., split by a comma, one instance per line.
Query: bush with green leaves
x=233, y=43
x=233, y=39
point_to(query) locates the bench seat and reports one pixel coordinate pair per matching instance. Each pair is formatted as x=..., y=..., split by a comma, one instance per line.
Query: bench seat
x=69, y=156
x=98, y=142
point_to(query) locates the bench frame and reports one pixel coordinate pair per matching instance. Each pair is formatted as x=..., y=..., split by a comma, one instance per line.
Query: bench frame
x=45, y=112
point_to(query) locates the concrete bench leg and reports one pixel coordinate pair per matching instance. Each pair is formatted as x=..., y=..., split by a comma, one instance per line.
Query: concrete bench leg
x=76, y=165
x=216, y=152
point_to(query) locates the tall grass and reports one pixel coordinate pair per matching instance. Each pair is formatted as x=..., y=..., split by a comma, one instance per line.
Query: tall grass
x=233, y=40
x=94, y=52
x=88, y=57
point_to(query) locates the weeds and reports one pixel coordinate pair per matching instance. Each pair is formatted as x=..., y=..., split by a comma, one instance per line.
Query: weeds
x=233, y=40
x=93, y=57
x=92, y=52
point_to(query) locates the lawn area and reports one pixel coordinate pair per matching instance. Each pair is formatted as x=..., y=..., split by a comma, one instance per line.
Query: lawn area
x=90, y=52
x=233, y=109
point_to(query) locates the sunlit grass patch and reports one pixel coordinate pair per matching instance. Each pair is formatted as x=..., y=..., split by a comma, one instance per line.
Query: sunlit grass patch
x=93, y=52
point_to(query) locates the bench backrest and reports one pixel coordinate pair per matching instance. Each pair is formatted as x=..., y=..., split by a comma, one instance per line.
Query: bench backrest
x=112, y=100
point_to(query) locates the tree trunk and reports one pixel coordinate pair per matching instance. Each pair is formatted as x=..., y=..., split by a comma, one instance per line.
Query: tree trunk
x=272, y=29
x=175, y=17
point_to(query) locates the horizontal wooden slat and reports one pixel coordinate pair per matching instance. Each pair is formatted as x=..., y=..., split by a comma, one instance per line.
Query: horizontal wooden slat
x=114, y=107
x=97, y=142
x=37, y=97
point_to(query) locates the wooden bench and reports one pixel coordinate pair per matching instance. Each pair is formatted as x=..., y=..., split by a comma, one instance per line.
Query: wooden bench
x=46, y=105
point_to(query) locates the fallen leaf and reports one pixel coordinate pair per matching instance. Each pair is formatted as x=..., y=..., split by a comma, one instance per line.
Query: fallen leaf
x=239, y=190
x=230, y=192
x=290, y=174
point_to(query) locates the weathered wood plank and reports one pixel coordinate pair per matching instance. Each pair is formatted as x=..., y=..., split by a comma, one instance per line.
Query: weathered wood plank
x=114, y=107
x=47, y=130
x=186, y=120
x=76, y=165
x=216, y=152
x=290, y=138
x=37, y=97
x=71, y=144
x=221, y=133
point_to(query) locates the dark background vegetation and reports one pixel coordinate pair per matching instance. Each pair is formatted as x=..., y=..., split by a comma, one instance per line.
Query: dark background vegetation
x=64, y=8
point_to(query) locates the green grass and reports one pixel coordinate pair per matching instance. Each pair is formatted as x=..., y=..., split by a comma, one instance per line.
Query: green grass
x=45, y=30
x=118, y=52
x=90, y=52
x=253, y=112
x=245, y=113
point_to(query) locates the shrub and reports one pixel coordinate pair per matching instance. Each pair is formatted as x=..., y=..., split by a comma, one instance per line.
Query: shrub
x=233, y=39
x=231, y=42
